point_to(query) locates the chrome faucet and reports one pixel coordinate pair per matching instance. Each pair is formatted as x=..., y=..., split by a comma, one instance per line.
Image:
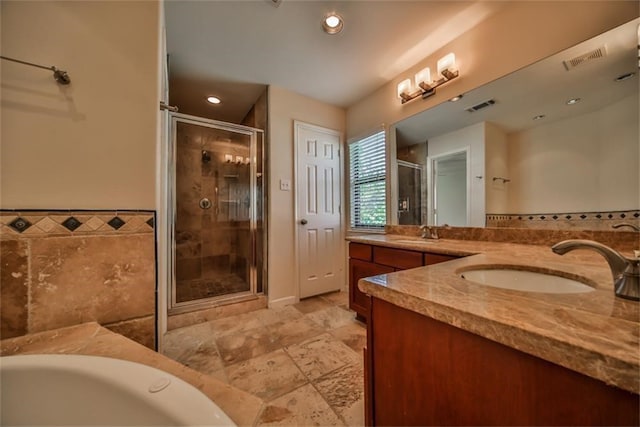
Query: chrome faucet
x=626, y=224
x=625, y=271
x=429, y=232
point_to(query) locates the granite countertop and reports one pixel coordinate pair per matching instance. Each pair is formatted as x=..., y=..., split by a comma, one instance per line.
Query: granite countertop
x=93, y=340
x=594, y=333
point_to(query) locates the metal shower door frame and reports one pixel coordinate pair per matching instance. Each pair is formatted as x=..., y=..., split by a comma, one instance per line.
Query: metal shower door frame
x=175, y=307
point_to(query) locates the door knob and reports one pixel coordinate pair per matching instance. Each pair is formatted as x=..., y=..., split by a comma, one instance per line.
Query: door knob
x=303, y=221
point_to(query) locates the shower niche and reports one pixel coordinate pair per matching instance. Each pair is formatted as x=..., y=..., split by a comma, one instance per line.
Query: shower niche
x=217, y=211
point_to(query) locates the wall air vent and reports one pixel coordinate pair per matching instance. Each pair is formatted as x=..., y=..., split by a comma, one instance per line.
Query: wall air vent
x=481, y=105
x=572, y=63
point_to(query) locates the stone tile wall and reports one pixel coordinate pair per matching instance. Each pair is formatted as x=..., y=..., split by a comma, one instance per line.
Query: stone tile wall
x=212, y=242
x=64, y=268
x=601, y=221
x=620, y=239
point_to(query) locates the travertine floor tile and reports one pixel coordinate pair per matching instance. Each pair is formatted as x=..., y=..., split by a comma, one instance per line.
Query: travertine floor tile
x=280, y=355
x=332, y=317
x=301, y=407
x=312, y=304
x=246, y=345
x=321, y=355
x=236, y=324
x=275, y=315
x=186, y=340
x=339, y=298
x=352, y=334
x=343, y=389
x=295, y=331
x=267, y=376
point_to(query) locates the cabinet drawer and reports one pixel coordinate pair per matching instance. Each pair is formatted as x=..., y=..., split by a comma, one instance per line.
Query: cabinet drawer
x=398, y=258
x=360, y=251
x=430, y=259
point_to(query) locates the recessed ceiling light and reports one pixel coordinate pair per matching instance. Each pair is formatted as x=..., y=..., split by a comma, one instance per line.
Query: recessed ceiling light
x=624, y=77
x=456, y=98
x=332, y=23
x=573, y=101
x=539, y=117
x=213, y=100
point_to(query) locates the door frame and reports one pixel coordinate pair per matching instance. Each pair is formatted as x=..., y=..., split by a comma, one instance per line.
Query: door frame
x=297, y=125
x=431, y=181
x=167, y=249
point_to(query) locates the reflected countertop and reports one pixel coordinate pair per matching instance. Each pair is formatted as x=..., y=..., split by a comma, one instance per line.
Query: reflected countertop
x=594, y=333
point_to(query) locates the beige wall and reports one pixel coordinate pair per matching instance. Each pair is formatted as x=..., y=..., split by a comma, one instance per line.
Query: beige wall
x=472, y=139
x=516, y=35
x=496, y=160
x=587, y=163
x=92, y=144
x=284, y=108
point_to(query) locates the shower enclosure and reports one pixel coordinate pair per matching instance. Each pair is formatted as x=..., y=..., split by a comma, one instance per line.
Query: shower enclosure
x=217, y=211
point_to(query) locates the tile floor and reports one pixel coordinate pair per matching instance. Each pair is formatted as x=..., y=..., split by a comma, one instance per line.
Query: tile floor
x=304, y=360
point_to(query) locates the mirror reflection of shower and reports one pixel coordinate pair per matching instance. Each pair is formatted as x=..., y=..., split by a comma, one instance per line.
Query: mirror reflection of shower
x=412, y=184
x=217, y=214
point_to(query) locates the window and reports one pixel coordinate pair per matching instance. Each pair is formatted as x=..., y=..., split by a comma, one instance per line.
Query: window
x=367, y=173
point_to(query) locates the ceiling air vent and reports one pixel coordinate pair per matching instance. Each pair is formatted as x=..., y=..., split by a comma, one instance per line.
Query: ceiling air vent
x=480, y=106
x=572, y=63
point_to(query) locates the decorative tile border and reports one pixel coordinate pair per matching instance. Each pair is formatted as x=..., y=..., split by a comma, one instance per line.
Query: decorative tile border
x=35, y=223
x=569, y=220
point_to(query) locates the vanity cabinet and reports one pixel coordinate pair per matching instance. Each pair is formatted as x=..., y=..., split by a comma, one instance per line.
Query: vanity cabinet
x=370, y=260
x=421, y=371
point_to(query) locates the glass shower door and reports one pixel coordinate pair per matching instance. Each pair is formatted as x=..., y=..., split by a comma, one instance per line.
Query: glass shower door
x=215, y=210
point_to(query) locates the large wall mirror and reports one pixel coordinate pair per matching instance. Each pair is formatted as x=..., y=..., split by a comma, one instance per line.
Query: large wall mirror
x=553, y=145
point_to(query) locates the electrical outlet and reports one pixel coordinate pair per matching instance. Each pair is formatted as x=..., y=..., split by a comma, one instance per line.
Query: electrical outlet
x=285, y=185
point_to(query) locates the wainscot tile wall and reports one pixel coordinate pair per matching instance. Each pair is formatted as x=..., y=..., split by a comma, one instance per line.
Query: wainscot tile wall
x=62, y=268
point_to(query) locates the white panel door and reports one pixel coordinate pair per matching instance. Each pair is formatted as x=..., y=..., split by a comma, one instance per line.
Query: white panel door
x=318, y=186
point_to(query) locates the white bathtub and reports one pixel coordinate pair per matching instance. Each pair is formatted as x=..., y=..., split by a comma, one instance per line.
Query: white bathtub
x=90, y=390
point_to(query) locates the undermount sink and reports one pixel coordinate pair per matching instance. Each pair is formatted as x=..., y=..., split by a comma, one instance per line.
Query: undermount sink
x=525, y=280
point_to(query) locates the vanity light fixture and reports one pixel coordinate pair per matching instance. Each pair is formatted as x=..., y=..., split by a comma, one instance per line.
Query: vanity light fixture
x=423, y=85
x=332, y=23
x=213, y=100
x=456, y=98
x=573, y=101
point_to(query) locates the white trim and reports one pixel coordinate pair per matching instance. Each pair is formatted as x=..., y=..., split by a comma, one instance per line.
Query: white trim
x=283, y=302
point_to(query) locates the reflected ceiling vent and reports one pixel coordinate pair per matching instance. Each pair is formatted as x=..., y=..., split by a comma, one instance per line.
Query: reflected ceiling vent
x=482, y=105
x=275, y=3
x=572, y=63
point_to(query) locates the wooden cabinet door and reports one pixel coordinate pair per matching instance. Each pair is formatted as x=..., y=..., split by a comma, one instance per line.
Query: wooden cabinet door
x=358, y=269
x=425, y=372
x=430, y=259
x=400, y=259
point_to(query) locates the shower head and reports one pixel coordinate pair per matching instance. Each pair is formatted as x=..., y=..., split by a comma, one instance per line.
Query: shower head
x=206, y=157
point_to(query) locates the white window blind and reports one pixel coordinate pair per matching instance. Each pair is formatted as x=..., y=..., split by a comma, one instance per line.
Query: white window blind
x=367, y=172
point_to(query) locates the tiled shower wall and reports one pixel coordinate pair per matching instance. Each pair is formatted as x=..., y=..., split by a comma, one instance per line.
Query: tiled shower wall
x=66, y=268
x=212, y=243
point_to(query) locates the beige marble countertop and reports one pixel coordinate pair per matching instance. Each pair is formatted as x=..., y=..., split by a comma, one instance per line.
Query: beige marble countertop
x=594, y=333
x=94, y=340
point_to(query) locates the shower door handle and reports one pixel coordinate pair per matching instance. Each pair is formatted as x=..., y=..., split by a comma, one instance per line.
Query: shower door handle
x=303, y=221
x=205, y=203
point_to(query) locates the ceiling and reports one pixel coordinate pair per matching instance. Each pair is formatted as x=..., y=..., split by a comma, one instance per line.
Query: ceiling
x=233, y=49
